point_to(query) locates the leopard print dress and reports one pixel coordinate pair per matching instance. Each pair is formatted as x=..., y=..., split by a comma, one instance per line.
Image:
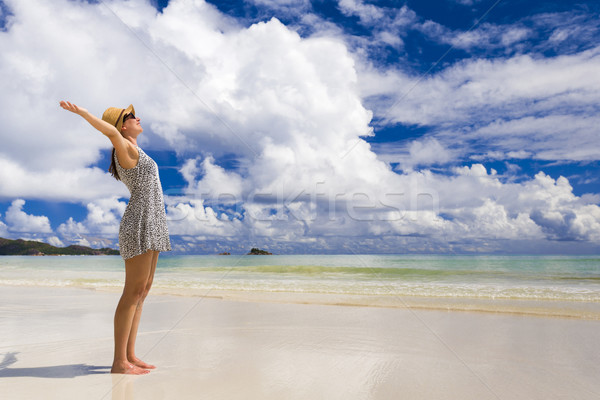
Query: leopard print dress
x=144, y=224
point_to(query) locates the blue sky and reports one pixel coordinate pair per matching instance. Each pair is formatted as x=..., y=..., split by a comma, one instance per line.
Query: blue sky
x=456, y=126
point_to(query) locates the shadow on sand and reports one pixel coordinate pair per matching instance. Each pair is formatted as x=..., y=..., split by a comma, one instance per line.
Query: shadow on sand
x=56, y=371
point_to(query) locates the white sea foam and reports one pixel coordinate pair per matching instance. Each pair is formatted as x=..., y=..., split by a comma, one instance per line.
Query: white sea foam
x=440, y=278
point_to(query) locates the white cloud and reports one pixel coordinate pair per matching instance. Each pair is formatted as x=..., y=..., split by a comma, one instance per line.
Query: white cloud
x=216, y=182
x=467, y=2
x=104, y=216
x=428, y=151
x=478, y=89
x=289, y=6
x=192, y=218
x=535, y=206
x=511, y=104
x=518, y=154
x=292, y=111
x=55, y=183
x=566, y=31
x=470, y=207
x=422, y=152
x=263, y=86
x=563, y=32
x=102, y=220
x=71, y=229
x=388, y=18
x=367, y=13
x=559, y=35
x=3, y=230
x=537, y=33
x=552, y=137
x=485, y=36
x=83, y=242
x=19, y=221
x=100, y=228
x=55, y=241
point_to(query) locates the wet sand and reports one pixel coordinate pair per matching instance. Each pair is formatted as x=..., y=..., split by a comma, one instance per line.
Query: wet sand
x=56, y=343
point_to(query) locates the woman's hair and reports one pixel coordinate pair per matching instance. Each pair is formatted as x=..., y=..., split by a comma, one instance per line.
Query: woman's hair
x=113, y=166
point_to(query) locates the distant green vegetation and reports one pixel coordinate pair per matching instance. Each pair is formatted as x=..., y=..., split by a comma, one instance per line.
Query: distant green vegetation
x=21, y=247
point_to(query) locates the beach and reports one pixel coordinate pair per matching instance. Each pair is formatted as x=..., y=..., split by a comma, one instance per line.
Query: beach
x=56, y=343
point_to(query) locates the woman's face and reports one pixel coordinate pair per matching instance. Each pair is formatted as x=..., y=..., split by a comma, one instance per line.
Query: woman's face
x=131, y=126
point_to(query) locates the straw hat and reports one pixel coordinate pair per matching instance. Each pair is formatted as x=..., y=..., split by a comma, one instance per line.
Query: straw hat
x=114, y=115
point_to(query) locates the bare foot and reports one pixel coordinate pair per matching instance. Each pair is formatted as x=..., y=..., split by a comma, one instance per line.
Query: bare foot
x=137, y=362
x=127, y=368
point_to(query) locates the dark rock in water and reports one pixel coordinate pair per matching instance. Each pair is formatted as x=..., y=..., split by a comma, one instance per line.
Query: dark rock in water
x=225, y=253
x=254, y=252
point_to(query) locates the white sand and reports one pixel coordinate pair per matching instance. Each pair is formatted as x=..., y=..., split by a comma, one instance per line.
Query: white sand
x=57, y=344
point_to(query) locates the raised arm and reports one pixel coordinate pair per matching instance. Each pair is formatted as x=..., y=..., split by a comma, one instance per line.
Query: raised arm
x=107, y=129
x=126, y=152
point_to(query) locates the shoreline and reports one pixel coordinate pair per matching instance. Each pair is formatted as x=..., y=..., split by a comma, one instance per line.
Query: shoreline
x=537, y=308
x=567, y=288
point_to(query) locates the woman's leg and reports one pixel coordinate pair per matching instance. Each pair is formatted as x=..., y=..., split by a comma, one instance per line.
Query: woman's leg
x=136, y=318
x=137, y=271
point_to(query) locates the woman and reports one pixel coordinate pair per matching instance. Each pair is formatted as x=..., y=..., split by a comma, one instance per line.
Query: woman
x=143, y=231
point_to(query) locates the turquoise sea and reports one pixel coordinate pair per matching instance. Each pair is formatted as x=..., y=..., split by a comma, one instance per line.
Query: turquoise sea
x=442, y=281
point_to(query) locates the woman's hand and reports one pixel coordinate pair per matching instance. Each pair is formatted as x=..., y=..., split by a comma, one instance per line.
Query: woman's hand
x=73, y=108
x=104, y=127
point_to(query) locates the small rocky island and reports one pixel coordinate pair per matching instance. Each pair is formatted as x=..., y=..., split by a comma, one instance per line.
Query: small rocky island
x=258, y=252
x=20, y=247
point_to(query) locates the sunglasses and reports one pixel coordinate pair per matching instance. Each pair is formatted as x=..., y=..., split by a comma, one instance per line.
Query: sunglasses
x=128, y=116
